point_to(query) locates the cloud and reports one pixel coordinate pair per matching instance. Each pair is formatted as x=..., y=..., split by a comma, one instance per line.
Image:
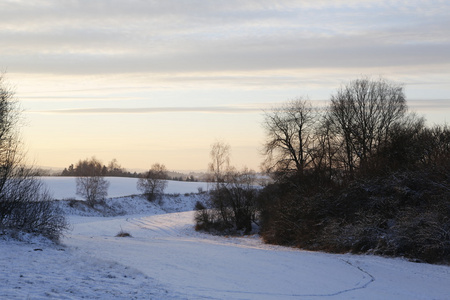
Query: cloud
x=152, y=110
x=98, y=37
x=421, y=104
x=430, y=105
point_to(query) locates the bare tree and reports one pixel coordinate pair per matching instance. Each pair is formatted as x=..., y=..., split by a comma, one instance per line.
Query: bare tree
x=114, y=168
x=242, y=198
x=323, y=154
x=363, y=113
x=231, y=204
x=220, y=161
x=290, y=137
x=24, y=203
x=154, y=182
x=91, y=183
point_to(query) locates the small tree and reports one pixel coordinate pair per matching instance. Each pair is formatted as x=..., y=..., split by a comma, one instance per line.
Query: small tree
x=91, y=183
x=154, y=182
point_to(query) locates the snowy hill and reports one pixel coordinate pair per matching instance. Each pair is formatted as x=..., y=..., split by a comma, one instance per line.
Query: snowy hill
x=167, y=259
x=65, y=187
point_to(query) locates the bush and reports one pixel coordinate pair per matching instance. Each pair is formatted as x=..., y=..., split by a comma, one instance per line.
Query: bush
x=404, y=214
x=27, y=207
x=123, y=233
x=231, y=205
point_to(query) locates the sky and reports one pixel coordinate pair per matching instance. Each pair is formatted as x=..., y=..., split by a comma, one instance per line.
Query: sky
x=160, y=81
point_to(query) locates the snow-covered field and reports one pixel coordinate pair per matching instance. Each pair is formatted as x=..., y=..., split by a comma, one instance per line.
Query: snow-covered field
x=167, y=259
x=65, y=187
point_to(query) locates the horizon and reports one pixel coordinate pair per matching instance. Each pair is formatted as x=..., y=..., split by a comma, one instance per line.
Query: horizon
x=149, y=83
x=60, y=169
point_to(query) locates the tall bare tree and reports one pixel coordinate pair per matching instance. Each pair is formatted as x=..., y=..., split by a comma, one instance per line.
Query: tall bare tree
x=290, y=137
x=220, y=161
x=325, y=149
x=363, y=113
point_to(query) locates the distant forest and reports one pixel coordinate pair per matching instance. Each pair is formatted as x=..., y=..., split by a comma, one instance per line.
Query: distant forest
x=114, y=169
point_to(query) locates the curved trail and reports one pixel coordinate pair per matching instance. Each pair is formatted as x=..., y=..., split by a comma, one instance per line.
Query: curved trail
x=175, y=225
x=194, y=265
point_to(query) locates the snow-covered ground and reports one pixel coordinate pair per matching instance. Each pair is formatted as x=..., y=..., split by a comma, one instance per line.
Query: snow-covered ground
x=167, y=259
x=65, y=187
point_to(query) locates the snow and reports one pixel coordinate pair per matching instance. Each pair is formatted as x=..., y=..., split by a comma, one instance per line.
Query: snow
x=30, y=271
x=65, y=187
x=167, y=259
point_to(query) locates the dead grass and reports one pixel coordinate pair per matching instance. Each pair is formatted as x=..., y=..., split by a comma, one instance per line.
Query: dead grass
x=123, y=233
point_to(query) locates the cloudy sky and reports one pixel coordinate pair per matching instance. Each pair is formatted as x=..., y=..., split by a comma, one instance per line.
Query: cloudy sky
x=160, y=81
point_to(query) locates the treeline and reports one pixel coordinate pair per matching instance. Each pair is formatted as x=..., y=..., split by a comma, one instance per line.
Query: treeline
x=84, y=168
x=93, y=187
x=361, y=174
x=114, y=169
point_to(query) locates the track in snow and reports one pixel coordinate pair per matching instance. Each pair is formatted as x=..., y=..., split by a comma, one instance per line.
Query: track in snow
x=196, y=265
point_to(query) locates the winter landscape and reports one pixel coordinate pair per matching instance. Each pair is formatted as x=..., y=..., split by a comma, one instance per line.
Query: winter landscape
x=165, y=258
x=225, y=149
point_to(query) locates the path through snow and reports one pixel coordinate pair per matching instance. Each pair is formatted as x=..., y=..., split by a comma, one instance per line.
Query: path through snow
x=193, y=265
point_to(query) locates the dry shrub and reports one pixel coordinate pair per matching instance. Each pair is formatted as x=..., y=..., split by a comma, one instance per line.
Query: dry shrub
x=404, y=214
x=25, y=205
x=210, y=220
x=123, y=233
x=231, y=205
